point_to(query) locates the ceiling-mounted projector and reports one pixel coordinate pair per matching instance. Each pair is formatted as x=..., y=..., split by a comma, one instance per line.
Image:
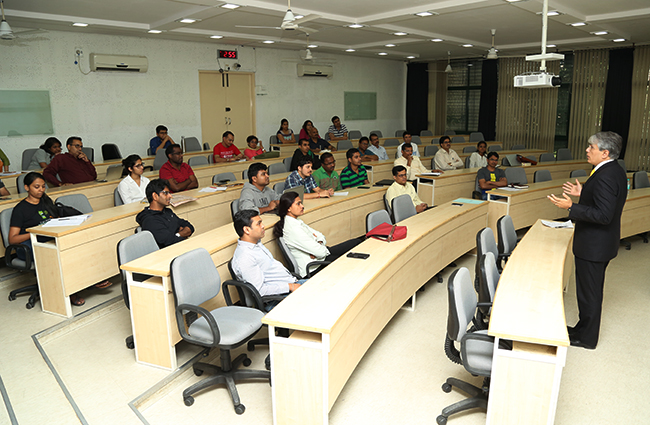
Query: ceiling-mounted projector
x=537, y=80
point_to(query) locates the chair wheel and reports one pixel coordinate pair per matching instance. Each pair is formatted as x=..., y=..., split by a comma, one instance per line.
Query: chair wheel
x=247, y=362
x=12, y=297
x=446, y=388
x=198, y=372
x=629, y=247
x=130, y=345
x=267, y=362
x=441, y=420
x=29, y=306
x=250, y=346
x=189, y=400
x=240, y=409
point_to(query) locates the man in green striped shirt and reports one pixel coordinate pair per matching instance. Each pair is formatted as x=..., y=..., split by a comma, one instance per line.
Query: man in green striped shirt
x=354, y=174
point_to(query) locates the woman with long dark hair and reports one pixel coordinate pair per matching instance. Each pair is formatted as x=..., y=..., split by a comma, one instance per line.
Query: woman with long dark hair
x=132, y=188
x=42, y=157
x=304, y=132
x=305, y=243
x=285, y=134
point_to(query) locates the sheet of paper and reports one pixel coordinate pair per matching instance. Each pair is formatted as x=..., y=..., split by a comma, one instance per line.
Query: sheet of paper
x=75, y=220
x=512, y=189
x=468, y=201
x=211, y=189
x=558, y=224
x=430, y=174
x=340, y=193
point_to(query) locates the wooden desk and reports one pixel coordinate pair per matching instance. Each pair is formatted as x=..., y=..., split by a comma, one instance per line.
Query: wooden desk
x=102, y=166
x=337, y=314
x=155, y=331
x=634, y=219
x=528, y=309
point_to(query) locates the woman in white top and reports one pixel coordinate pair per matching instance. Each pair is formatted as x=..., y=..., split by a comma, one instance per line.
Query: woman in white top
x=285, y=134
x=42, y=157
x=479, y=159
x=306, y=244
x=132, y=187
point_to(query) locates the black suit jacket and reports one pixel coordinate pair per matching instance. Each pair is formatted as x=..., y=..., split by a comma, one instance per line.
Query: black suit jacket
x=598, y=214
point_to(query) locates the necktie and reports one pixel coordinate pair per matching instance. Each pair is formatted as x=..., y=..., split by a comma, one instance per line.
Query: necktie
x=592, y=172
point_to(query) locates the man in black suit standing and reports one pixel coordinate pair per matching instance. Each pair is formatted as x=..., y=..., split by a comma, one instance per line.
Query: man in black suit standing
x=597, y=230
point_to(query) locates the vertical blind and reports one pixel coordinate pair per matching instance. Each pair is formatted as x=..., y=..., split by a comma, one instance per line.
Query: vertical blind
x=637, y=156
x=437, y=97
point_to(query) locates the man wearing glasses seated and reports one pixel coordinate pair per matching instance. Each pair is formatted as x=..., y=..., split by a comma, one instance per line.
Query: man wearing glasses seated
x=72, y=167
x=165, y=226
x=326, y=178
x=178, y=174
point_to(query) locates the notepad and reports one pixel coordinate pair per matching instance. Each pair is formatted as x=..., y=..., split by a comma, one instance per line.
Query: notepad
x=74, y=220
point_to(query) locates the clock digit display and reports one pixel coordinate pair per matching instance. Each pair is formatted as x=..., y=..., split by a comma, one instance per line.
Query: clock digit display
x=227, y=54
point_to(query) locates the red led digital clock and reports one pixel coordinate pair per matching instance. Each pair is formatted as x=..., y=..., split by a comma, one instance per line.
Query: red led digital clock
x=227, y=54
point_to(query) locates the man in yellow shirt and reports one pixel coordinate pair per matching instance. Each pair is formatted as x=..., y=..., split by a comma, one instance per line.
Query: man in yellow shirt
x=411, y=162
x=402, y=186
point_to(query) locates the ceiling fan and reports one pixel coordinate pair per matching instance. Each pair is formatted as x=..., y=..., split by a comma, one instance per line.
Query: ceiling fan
x=289, y=22
x=6, y=33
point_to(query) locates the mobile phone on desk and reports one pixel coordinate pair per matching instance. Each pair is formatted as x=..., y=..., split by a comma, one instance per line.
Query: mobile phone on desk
x=359, y=255
x=457, y=204
x=363, y=187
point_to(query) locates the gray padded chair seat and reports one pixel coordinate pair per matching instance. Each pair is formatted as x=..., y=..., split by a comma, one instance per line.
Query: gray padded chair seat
x=344, y=145
x=235, y=324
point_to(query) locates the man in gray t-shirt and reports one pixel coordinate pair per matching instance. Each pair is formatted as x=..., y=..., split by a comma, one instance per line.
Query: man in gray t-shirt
x=491, y=177
x=256, y=194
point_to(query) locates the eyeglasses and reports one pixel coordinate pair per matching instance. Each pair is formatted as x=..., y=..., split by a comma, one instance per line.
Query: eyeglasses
x=177, y=153
x=77, y=146
x=329, y=163
x=401, y=176
x=165, y=192
x=141, y=165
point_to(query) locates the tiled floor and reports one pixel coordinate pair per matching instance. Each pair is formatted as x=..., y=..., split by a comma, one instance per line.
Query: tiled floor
x=398, y=381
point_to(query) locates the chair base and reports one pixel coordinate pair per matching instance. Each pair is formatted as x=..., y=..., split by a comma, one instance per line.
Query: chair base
x=35, y=296
x=227, y=374
x=478, y=399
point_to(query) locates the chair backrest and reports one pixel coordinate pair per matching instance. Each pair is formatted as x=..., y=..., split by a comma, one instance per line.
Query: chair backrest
x=5, y=224
x=450, y=133
x=622, y=164
x=160, y=159
x=564, y=154
x=488, y=278
x=542, y=176
x=578, y=173
x=27, y=158
x=547, y=157
x=76, y=200
x=248, y=294
x=518, y=147
x=273, y=140
x=110, y=151
x=135, y=246
x=466, y=161
x=279, y=188
x=485, y=242
x=376, y=218
x=244, y=175
x=516, y=175
x=387, y=206
x=641, y=180
x=416, y=139
x=510, y=160
x=234, y=208
x=391, y=142
x=206, y=146
x=494, y=148
x=277, y=168
x=223, y=177
x=354, y=135
x=462, y=303
x=286, y=254
x=476, y=137
x=117, y=199
x=399, y=133
x=327, y=137
x=430, y=150
x=287, y=164
x=507, y=235
x=426, y=133
x=149, y=151
x=470, y=149
x=377, y=132
x=458, y=139
x=90, y=153
x=20, y=183
x=344, y=145
x=197, y=161
x=402, y=207
x=192, y=144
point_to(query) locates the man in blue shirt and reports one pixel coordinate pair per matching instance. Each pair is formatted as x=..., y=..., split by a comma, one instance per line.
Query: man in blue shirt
x=316, y=144
x=366, y=153
x=376, y=148
x=161, y=141
x=302, y=177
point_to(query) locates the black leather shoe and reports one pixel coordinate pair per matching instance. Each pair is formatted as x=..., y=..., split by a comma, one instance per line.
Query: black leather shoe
x=578, y=343
x=573, y=333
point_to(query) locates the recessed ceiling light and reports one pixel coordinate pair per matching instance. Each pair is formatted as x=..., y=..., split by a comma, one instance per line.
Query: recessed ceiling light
x=552, y=13
x=230, y=6
x=513, y=1
x=578, y=24
x=298, y=16
x=618, y=40
x=216, y=36
x=437, y=40
x=383, y=54
x=350, y=50
x=467, y=45
x=312, y=46
x=426, y=13
x=79, y=24
x=154, y=31
x=410, y=57
x=599, y=33
x=268, y=41
x=355, y=26
x=187, y=21
x=399, y=33
x=551, y=45
x=389, y=45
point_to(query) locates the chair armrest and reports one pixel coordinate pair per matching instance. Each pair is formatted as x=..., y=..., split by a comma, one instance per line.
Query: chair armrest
x=245, y=290
x=200, y=311
x=484, y=305
x=11, y=249
x=314, y=263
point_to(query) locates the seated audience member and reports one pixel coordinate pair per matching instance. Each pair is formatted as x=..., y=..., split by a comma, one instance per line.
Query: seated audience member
x=133, y=187
x=316, y=144
x=326, y=178
x=412, y=163
x=304, y=131
x=366, y=154
x=253, y=150
x=407, y=138
x=161, y=141
x=376, y=148
x=285, y=134
x=491, y=177
x=226, y=151
x=303, y=151
x=305, y=243
x=256, y=193
x=337, y=131
x=178, y=174
x=3, y=190
x=254, y=263
x=43, y=156
x=4, y=161
x=72, y=167
x=32, y=211
x=478, y=159
x=165, y=226
x=402, y=186
x=447, y=158
x=354, y=174
x=302, y=177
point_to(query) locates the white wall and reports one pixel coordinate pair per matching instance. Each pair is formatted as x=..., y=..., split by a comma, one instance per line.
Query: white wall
x=124, y=108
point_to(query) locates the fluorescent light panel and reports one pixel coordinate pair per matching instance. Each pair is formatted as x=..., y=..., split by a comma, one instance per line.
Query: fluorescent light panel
x=618, y=40
x=79, y=24
x=154, y=31
x=600, y=33
x=268, y=41
x=410, y=57
x=467, y=45
x=312, y=46
x=355, y=26
x=187, y=21
x=383, y=54
x=230, y=6
x=350, y=50
x=216, y=36
x=389, y=45
x=551, y=45
x=400, y=33
x=437, y=40
x=426, y=13
x=578, y=24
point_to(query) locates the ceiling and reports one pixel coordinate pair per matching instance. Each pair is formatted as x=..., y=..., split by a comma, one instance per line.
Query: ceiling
x=518, y=24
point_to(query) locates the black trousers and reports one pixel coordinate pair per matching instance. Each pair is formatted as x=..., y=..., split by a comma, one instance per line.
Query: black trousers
x=340, y=249
x=590, y=281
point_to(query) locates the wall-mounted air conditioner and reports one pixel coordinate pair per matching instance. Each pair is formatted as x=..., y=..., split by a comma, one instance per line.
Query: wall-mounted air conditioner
x=100, y=62
x=305, y=70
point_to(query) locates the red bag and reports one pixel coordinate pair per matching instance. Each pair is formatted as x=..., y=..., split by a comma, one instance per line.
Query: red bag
x=523, y=159
x=387, y=232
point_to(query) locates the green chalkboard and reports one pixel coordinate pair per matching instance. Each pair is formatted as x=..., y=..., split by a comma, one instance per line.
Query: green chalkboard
x=25, y=112
x=360, y=105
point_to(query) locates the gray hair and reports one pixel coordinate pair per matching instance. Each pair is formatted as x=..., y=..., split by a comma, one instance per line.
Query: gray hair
x=608, y=141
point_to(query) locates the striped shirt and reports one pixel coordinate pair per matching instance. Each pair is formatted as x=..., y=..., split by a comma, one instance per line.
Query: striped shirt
x=351, y=179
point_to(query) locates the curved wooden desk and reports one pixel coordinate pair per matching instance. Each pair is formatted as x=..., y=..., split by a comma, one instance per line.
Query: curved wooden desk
x=337, y=314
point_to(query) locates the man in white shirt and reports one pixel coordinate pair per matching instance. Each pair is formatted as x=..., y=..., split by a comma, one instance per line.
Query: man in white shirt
x=376, y=148
x=447, y=158
x=407, y=138
x=254, y=263
x=402, y=186
x=412, y=163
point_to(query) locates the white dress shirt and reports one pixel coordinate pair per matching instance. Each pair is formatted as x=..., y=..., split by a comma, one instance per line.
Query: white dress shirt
x=416, y=151
x=130, y=191
x=415, y=168
x=255, y=264
x=304, y=241
x=443, y=159
x=477, y=161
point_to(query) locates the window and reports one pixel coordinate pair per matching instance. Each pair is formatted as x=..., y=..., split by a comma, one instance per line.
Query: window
x=463, y=96
x=564, y=102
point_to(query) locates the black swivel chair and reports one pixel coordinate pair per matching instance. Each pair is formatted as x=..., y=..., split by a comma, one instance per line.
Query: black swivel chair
x=12, y=260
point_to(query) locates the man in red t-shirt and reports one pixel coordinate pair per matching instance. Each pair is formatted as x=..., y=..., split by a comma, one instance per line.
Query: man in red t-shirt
x=179, y=175
x=226, y=151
